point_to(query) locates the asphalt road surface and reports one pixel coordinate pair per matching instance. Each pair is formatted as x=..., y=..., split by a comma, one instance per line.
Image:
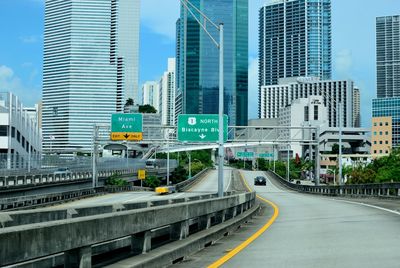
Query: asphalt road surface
x=209, y=184
x=313, y=231
x=206, y=185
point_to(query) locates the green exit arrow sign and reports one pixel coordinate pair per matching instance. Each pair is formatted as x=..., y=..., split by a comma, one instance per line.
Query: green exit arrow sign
x=200, y=128
x=126, y=123
x=244, y=154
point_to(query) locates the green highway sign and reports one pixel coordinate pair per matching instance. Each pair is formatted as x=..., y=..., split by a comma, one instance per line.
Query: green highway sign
x=126, y=127
x=266, y=155
x=244, y=154
x=200, y=127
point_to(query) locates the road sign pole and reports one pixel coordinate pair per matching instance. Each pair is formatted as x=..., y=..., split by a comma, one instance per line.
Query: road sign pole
x=167, y=158
x=221, y=112
x=94, y=156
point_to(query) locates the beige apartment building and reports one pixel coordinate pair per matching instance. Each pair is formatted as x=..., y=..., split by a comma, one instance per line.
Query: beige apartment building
x=381, y=140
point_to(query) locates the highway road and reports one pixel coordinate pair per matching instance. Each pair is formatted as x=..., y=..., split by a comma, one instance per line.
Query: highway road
x=313, y=231
x=207, y=185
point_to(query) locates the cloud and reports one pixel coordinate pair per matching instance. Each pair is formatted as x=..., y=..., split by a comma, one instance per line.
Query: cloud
x=30, y=39
x=10, y=82
x=5, y=73
x=160, y=16
x=344, y=62
x=253, y=88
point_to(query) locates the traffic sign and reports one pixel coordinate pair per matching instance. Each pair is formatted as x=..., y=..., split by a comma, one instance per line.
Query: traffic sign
x=266, y=155
x=200, y=128
x=244, y=154
x=127, y=127
x=126, y=136
x=141, y=174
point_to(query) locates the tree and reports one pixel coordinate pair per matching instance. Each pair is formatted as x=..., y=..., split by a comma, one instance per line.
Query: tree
x=152, y=182
x=129, y=102
x=147, y=109
x=335, y=148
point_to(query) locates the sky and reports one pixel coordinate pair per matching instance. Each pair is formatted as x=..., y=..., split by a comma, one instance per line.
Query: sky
x=353, y=45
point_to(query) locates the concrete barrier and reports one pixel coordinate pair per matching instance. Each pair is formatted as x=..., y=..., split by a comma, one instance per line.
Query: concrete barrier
x=183, y=186
x=386, y=190
x=75, y=237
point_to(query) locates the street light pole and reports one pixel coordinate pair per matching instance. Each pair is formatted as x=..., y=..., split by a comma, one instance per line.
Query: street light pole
x=220, y=46
x=221, y=113
x=340, y=144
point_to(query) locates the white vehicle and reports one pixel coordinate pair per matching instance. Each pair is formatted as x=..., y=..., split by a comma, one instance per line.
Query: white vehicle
x=62, y=171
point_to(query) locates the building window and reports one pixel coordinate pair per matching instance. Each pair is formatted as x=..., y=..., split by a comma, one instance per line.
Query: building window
x=380, y=151
x=386, y=123
x=374, y=142
x=386, y=151
x=374, y=133
x=386, y=142
x=13, y=132
x=315, y=112
x=306, y=113
x=380, y=142
x=386, y=132
x=374, y=151
x=18, y=136
x=380, y=124
x=380, y=133
x=3, y=131
x=375, y=124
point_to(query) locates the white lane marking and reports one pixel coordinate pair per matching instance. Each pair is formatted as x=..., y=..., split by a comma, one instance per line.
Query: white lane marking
x=371, y=206
x=230, y=180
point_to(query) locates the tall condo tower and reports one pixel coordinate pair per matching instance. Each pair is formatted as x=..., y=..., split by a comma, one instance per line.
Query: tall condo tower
x=198, y=60
x=294, y=40
x=89, y=68
x=388, y=56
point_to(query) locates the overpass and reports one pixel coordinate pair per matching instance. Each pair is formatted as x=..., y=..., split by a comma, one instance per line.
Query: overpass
x=293, y=230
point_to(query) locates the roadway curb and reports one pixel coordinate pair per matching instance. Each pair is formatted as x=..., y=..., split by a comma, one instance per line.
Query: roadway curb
x=178, y=251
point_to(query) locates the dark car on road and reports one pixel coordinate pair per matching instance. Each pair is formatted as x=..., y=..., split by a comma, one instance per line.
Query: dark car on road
x=260, y=180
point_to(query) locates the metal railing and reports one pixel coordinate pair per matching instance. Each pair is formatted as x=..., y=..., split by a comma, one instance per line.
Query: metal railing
x=388, y=190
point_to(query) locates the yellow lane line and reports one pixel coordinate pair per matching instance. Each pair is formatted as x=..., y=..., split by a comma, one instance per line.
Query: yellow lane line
x=257, y=234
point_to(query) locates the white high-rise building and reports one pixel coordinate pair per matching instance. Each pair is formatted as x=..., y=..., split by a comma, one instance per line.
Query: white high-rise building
x=128, y=44
x=151, y=94
x=302, y=112
x=90, y=67
x=167, y=94
x=275, y=97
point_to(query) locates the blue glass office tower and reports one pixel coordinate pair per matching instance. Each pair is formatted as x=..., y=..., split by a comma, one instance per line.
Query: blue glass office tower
x=198, y=60
x=294, y=40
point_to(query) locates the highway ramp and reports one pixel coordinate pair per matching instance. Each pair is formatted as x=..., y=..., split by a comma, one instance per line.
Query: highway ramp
x=314, y=231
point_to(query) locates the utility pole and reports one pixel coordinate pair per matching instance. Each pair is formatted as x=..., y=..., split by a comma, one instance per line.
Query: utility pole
x=340, y=144
x=94, y=156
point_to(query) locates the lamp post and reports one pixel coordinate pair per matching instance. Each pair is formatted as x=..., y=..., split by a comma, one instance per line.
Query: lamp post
x=220, y=46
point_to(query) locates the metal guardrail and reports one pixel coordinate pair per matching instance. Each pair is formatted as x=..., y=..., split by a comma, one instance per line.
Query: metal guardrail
x=32, y=201
x=75, y=237
x=390, y=190
x=40, y=179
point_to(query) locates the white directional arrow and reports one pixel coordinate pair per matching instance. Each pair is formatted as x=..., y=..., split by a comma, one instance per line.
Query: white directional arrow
x=202, y=136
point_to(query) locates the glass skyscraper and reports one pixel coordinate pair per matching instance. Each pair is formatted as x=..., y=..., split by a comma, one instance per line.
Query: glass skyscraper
x=88, y=62
x=198, y=60
x=294, y=40
x=388, y=56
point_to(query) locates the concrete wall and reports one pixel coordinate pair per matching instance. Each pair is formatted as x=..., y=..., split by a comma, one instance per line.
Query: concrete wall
x=76, y=236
